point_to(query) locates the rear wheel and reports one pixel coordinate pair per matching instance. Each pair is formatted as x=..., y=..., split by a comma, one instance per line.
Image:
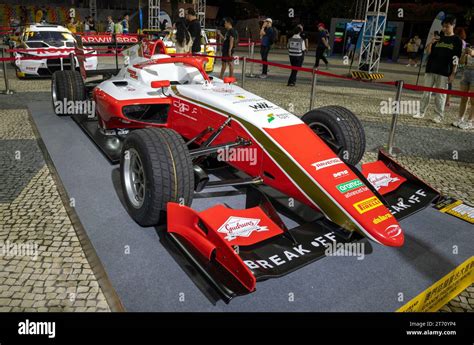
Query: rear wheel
x=155, y=168
x=66, y=86
x=340, y=129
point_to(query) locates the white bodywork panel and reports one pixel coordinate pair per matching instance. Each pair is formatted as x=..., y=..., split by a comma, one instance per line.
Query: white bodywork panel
x=191, y=84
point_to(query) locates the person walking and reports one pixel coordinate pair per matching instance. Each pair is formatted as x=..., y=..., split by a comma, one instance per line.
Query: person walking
x=125, y=24
x=231, y=38
x=110, y=25
x=461, y=33
x=118, y=29
x=412, y=51
x=296, y=50
x=92, y=28
x=267, y=37
x=321, y=45
x=467, y=85
x=72, y=25
x=444, y=53
x=182, y=38
x=194, y=28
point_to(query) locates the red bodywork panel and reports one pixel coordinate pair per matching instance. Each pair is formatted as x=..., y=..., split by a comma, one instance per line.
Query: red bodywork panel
x=381, y=177
x=110, y=110
x=317, y=160
x=223, y=229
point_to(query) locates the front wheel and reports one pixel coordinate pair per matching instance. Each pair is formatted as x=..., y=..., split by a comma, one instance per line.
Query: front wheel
x=66, y=86
x=155, y=168
x=340, y=129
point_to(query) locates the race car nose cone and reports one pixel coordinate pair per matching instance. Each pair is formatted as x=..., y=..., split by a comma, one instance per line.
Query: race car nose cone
x=393, y=236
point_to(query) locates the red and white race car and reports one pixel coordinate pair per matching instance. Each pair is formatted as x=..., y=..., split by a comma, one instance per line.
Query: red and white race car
x=170, y=125
x=43, y=49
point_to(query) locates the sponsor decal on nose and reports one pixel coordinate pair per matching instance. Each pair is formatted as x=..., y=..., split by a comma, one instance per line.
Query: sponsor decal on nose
x=393, y=231
x=243, y=227
x=367, y=204
x=326, y=163
x=348, y=186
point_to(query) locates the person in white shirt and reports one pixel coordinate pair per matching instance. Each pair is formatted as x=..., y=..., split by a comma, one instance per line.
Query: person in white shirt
x=467, y=85
x=296, y=49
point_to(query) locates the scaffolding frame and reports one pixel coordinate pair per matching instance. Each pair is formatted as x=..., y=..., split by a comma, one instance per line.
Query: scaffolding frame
x=200, y=8
x=154, y=14
x=360, y=6
x=93, y=9
x=373, y=35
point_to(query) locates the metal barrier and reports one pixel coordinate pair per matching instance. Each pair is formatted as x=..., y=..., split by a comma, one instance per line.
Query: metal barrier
x=244, y=71
x=7, y=90
x=313, y=89
x=252, y=52
x=395, y=115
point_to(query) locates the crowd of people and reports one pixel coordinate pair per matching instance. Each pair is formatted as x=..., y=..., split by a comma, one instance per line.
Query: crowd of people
x=89, y=26
x=445, y=53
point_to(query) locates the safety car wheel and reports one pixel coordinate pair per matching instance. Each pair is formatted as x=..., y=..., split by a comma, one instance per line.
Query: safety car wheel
x=66, y=86
x=340, y=129
x=155, y=168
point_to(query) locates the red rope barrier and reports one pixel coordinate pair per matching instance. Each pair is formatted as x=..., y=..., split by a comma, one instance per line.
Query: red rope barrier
x=274, y=64
x=56, y=50
x=392, y=83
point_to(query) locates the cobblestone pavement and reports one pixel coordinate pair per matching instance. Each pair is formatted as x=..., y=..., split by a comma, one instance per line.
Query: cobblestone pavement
x=43, y=264
x=438, y=153
x=461, y=303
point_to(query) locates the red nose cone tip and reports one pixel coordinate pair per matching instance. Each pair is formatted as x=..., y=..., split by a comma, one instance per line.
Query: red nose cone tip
x=392, y=236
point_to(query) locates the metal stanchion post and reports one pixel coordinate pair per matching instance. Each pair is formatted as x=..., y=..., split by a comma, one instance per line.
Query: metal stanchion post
x=116, y=51
x=72, y=61
x=313, y=89
x=5, y=76
x=252, y=51
x=244, y=70
x=391, y=137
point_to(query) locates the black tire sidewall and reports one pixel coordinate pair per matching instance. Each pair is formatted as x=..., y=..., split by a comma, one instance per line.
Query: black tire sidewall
x=345, y=127
x=165, y=181
x=135, y=142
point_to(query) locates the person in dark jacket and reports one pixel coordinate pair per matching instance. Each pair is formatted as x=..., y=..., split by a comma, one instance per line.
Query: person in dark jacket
x=125, y=24
x=296, y=48
x=267, y=37
x=231, y=38
x=444, y=52
x=321, y=45
x=194, y=28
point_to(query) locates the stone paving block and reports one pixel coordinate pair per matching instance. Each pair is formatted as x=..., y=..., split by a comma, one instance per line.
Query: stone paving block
x=31, y=211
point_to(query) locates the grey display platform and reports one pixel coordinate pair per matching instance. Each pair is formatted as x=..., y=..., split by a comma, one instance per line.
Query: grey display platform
x=148, y=277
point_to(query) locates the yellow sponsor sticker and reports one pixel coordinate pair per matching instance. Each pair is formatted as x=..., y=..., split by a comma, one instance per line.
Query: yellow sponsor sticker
x=367, y=204
x=444, y=290
x=381, y=219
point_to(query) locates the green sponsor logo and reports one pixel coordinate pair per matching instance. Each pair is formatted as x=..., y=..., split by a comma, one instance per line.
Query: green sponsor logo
x=270, y=118
x=348, y=186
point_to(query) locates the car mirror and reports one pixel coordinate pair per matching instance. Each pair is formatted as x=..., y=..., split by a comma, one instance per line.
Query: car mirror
x=156, y=84
x=229, y=80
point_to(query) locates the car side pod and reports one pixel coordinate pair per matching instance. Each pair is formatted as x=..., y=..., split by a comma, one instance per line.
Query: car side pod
x=218, y=232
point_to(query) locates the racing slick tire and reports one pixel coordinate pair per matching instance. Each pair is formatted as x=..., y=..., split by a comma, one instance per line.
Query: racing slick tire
x=66, y=86
x=155, y=168
x=339, y=127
